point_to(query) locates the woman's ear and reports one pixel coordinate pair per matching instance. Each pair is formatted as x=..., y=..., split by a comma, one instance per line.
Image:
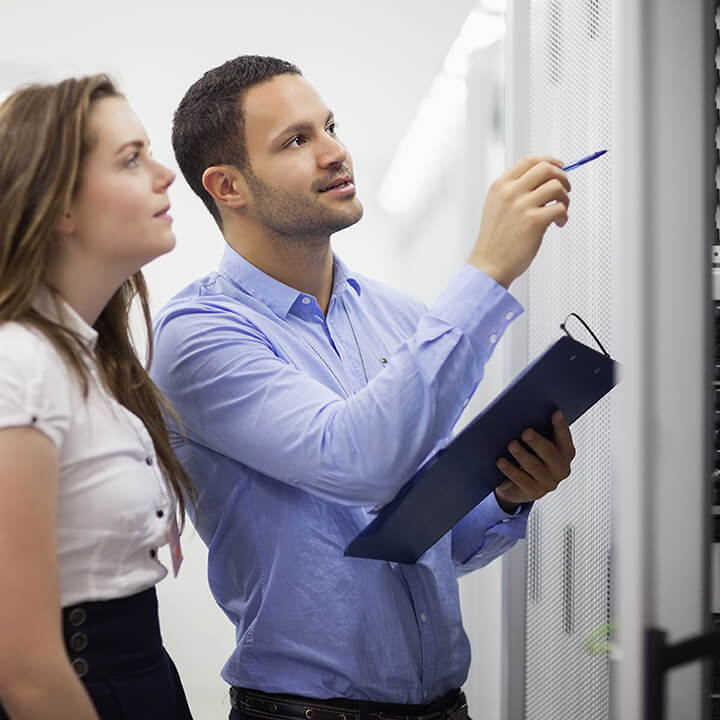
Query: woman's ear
x=65, y=224
x=226, y=185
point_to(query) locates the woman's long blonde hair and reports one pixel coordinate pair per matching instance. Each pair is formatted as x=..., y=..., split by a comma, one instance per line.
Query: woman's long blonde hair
x=44, y=136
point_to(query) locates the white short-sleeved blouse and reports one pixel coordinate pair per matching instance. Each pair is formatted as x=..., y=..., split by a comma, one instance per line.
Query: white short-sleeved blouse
x=114, y=509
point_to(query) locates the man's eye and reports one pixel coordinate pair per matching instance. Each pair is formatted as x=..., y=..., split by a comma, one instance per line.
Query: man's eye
x=297, y=141
x=332, y=128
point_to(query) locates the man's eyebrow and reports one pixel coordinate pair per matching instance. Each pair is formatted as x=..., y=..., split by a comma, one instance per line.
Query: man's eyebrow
x=138, y=144
x=301, y=127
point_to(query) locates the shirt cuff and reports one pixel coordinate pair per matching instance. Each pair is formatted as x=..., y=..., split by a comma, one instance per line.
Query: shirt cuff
x=471, y=534
x=502, y=523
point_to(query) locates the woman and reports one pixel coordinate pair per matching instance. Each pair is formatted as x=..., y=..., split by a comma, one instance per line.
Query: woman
x=89, y=486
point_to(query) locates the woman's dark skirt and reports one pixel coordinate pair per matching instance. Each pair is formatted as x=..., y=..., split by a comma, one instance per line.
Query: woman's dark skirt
x=116, y=650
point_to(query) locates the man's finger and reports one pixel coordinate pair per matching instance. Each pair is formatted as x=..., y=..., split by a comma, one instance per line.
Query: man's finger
x=518, y=477
x=551, y=191
x=542, y=173
x=553, y=213
x=529, y=161
x=556, y=462
x=528, y=461
x=544, y=475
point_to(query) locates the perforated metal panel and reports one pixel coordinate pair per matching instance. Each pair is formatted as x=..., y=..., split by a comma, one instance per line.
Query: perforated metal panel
x=568, y=598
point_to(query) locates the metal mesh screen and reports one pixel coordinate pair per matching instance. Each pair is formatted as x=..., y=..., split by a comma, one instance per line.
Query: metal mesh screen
x=568, y=601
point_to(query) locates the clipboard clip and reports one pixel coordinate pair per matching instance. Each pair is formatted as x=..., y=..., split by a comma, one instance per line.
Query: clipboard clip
x=587, y=327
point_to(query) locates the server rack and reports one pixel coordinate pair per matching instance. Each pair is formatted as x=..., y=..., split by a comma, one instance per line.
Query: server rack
x=661, y=112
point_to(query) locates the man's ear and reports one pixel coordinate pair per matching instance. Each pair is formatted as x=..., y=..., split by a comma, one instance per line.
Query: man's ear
x=226, y=185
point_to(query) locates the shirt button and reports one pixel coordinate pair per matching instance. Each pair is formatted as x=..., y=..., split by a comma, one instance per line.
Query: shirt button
x=493, y=338
x=509, y=315
x=149, y=460
x=153, y=553
x=306, y=300
x=159, y=513
x=423, y=617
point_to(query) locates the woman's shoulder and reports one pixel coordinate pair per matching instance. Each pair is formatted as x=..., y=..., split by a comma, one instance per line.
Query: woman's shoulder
x=25, y=350
x=18, y=337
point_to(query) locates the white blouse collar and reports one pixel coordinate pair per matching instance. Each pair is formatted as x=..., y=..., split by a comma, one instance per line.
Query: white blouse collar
x=51, y=305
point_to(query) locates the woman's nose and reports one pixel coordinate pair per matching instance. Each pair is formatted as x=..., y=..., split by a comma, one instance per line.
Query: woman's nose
x=166, y=177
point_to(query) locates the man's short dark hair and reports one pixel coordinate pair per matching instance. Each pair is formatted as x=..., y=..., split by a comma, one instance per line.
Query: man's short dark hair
x=209, y=123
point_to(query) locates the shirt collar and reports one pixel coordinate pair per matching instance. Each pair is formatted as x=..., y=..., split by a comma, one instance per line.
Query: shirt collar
x=342, y=278
x=271, y=292
x=52, y=306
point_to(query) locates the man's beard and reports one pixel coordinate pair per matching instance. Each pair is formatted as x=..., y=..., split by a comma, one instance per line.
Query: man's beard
x=298, y=220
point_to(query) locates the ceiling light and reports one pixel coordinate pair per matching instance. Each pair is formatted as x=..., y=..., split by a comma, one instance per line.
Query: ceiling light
x=437, y=126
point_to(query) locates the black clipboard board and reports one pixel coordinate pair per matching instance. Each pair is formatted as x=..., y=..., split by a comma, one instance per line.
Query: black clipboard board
x=569, y=376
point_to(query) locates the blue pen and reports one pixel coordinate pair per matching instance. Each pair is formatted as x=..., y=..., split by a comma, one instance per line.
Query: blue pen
x=584, y=160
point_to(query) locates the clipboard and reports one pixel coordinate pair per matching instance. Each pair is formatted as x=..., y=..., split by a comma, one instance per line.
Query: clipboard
x=569, y=376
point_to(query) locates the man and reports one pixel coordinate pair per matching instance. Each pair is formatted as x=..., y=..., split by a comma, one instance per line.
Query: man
x=309, y=395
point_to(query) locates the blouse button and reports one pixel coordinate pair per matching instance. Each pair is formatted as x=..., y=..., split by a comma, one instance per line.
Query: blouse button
x=78, y=641
x=34, y=419
x=153, y=553
x=493, y=338
x=159, y=513
x=149, y=460
x=77, y=617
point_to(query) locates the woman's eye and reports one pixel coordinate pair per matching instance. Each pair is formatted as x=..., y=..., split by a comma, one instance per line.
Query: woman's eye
x=332, y=128
x=132, y=161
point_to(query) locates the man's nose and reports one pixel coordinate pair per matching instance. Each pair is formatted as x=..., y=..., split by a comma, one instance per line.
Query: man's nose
x=333, y=152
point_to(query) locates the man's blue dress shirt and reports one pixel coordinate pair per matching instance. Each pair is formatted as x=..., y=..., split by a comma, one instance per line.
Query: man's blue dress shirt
x=290, y=448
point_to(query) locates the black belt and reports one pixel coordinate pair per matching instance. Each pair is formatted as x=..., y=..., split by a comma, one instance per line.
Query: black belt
x=265, y=706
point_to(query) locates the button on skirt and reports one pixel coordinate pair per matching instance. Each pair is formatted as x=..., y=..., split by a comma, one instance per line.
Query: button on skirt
x=116, y=650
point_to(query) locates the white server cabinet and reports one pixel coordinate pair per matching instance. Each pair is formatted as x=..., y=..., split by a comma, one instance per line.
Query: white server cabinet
x=623, y=548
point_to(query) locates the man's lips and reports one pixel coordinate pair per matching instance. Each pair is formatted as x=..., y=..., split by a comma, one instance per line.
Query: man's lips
x=342, y=183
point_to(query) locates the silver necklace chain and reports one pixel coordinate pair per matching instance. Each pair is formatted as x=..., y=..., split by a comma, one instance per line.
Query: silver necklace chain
x=357, y=344
x=327, y=364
